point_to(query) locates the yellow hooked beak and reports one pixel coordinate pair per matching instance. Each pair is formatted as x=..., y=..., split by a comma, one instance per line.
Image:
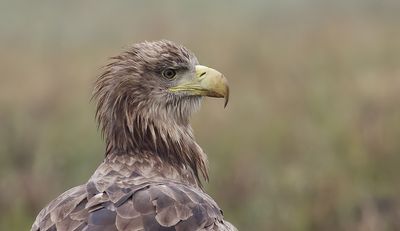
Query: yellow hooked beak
x=207, y=82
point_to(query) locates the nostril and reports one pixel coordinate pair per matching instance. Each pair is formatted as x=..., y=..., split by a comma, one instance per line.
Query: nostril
x=202, y=74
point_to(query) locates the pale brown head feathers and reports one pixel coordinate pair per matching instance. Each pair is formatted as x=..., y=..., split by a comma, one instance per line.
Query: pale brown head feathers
x=137, y=113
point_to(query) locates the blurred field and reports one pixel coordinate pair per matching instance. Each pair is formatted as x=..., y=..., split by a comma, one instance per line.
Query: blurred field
x=310, y=140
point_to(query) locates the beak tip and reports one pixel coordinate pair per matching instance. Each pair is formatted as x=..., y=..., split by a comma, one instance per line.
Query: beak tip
x=226, y=100
x=226, y=94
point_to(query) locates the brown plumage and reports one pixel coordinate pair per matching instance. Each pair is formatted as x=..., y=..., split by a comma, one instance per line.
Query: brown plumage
x=150, y=177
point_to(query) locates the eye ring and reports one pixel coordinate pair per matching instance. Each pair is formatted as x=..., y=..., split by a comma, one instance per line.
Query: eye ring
x=169, y=73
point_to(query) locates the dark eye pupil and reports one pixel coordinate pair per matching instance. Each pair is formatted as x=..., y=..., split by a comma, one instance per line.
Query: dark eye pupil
x=169, y=73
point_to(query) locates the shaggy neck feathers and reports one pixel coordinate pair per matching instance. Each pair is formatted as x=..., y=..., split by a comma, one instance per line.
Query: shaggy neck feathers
x=135, y=120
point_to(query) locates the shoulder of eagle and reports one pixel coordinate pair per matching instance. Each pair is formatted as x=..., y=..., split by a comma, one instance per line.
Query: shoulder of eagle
x=121, y=199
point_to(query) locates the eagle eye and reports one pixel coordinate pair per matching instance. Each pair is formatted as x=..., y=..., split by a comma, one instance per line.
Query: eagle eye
x=169, y=73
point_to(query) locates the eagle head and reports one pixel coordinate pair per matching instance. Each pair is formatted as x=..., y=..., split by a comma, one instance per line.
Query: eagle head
x=145, y=97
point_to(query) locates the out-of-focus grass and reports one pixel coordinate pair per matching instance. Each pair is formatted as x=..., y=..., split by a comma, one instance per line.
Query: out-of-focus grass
x=310, y=140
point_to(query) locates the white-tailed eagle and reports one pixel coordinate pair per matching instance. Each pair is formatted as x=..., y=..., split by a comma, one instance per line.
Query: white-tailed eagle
x=150, y=177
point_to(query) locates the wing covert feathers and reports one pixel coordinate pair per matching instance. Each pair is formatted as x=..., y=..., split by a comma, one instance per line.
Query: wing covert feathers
x=120, y=202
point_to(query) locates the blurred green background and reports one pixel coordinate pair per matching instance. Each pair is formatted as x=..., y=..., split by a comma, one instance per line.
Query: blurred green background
x=310, y=140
